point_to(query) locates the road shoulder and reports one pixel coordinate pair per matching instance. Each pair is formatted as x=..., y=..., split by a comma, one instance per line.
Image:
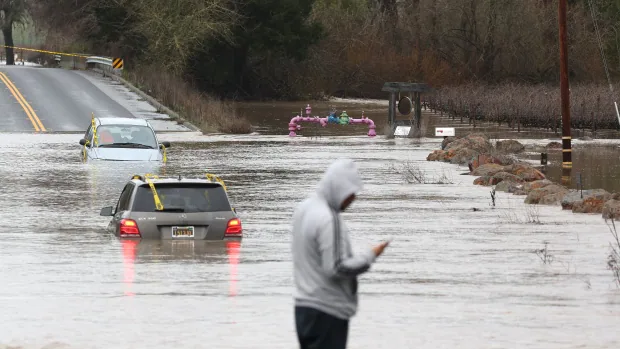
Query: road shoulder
x=135, y=104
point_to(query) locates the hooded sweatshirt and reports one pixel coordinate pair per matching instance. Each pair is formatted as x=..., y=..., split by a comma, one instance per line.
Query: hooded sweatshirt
x=325, y=268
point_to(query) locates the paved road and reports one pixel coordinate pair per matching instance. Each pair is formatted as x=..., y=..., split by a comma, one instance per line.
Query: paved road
x=51, y=99
x=12, y=114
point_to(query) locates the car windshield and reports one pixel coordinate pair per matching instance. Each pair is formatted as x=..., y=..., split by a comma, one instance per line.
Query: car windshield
x=130, y=136
x=183, y=197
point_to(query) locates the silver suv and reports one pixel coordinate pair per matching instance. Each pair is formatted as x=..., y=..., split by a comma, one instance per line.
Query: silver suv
x=150, y=207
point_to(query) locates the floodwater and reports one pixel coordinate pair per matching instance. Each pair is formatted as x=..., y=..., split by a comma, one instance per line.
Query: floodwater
x=596, y=163
x=273, y=117
x=594, y=166
x=453, y=277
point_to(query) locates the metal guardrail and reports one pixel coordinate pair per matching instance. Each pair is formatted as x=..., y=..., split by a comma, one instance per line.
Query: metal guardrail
x=99, y=60
x=103, y=63
x=106, y=65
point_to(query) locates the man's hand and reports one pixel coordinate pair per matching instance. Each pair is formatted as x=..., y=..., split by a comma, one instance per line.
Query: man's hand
x=379, y=248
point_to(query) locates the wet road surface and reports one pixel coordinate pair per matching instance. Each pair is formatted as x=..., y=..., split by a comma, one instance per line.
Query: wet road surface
x=57, y=100
x=452, y=278
x=13, y=116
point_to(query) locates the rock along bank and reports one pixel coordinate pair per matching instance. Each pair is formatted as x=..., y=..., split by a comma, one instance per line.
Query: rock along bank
x=497, y=165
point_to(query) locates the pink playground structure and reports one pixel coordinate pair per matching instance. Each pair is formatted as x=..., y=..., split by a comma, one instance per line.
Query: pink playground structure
x=293, y=125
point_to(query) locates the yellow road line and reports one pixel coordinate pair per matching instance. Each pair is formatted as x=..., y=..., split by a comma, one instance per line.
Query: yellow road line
x=15, y=94
x=36, y=122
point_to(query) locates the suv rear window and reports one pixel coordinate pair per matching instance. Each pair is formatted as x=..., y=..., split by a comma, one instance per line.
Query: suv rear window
x=186, y=197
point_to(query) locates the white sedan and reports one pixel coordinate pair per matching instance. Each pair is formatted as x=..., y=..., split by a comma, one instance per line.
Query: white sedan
x=122, y=139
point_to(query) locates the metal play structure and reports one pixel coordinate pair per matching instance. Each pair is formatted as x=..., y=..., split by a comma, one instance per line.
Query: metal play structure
x=405, y=98
x=342, y=119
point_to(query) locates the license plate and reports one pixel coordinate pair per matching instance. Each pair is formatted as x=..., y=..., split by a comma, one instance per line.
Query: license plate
x=182, y=232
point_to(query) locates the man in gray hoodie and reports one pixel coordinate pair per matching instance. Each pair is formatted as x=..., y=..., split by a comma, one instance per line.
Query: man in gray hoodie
x=325, y=268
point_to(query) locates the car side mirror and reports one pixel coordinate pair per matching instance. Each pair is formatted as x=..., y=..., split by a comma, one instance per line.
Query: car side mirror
x=234, y=210
x=166, y=144
x=106, y=211
x=83, y=141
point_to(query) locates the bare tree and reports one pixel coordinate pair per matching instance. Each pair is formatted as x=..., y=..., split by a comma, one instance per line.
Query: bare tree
x=174, y=28
x=388, y=10
x=489, y=50
x=167, y=31
x=11, y=12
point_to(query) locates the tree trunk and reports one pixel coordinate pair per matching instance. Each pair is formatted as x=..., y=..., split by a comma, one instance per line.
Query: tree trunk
x=389, y=10
x=466, y=46
x=240, y=66
x=489, y=51
x=418, y=36
x=8, y=41
x=473, y=35
x=433, y=32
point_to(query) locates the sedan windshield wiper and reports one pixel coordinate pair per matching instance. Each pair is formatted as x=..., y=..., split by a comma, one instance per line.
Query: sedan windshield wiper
x=172, y=209
x=126, y=145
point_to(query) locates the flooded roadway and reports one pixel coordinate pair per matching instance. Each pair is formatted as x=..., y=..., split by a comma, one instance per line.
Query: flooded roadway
x=596, y=161
x=452, y=278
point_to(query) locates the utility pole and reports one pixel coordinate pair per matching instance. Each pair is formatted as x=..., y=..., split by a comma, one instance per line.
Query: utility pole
x=567, y=163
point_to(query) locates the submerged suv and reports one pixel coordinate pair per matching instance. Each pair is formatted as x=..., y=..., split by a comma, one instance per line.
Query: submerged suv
x=150, y=207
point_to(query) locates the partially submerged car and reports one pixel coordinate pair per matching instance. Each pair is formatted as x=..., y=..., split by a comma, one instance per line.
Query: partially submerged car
x=150, y=207
x=122, y=139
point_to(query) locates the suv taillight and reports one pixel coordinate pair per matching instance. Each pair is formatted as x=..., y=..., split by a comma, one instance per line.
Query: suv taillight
x=129, y=229
x=233, y=228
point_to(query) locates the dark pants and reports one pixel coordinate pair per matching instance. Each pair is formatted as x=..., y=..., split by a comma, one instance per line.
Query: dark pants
x=318, y=330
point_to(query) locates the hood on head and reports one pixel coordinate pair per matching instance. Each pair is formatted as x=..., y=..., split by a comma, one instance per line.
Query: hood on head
x=339, y=181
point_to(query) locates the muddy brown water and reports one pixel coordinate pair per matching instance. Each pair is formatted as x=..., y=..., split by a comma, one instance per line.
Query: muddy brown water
x=594, y=165
x=453, y=276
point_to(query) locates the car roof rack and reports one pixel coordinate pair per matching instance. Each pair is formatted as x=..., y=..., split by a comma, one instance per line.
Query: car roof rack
x=158, y=204
x=209, y=176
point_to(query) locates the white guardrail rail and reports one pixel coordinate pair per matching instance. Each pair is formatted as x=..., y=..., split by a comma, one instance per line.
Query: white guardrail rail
x=102, y=63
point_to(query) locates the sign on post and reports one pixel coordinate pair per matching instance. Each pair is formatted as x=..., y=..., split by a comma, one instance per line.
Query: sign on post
x=117, y=63
x=444, y=132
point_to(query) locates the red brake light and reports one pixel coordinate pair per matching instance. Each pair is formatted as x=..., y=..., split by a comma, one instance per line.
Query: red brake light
x=233, y=228
x=129, y=229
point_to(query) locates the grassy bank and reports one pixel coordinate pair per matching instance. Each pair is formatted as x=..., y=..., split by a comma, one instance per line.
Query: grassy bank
x=527, y=106
x=206, y=112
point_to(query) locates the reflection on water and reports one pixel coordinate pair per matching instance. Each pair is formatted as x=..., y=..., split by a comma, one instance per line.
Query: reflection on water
x=149, y=251
x=232, y=249
x=594, y=166
x=129, y=257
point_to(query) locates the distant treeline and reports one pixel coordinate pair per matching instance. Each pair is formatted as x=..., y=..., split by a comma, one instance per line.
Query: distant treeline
x=312, y=48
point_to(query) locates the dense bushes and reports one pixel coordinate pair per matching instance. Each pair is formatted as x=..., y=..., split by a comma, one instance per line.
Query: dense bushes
x=314, y=48
x=274, y=48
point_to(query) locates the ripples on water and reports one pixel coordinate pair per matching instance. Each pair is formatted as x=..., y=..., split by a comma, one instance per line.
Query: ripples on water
x=452, y=278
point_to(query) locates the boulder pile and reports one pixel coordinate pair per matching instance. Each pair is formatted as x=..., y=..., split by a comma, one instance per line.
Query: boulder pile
x=496, y=165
